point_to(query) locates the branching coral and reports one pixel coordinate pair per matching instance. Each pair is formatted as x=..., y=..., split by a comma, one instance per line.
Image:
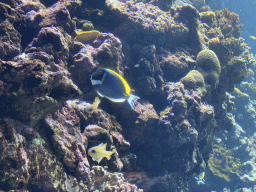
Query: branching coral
x=223, y=164
x=208, y=17
x=228, y=22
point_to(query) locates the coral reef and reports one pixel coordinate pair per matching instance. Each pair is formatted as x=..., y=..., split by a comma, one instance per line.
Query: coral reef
x=209, y=66
x=179, y=62
x=30, y=91
x=208, y=17
x=222, y=164
x=26, y=162
x=228, y=22
x=10, y=38
x=194, y=80
x=105, y=181
x=106, y=50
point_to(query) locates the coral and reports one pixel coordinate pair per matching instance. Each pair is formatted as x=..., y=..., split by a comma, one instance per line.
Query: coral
x=52, y=41
x=189, y=15
x=222, y=164
x=31, y=90
x=145, y=25
x=240, y=94
x=56, y=15
x=73, y=185
x=207, y=17
x=10, y=40
x=235, y=71
x=214, y=43
x=44, y=141
x=194, y=80
x=107, y=50
x=209, y=66
x=10, y=14
x=228, y=22
x=175, y=66
x=146, y=74
x=25, y=161
x=181, y=104
x=235, y=60
x=69, y=143
x=110, y=182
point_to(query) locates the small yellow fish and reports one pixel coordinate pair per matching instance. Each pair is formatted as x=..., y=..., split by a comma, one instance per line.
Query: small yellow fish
x=99, y=152
x=201, y=176
x=87, y=37
x=92, y=108
x=253, y=37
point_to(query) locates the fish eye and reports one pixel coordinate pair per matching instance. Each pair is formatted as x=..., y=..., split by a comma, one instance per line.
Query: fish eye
x=93, y=151
x=98, y=75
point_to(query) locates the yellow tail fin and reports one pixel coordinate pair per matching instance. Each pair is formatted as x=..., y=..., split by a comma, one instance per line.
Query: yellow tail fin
x=109, y=155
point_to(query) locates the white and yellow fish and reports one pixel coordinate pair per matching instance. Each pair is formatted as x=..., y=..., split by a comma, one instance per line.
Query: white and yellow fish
x=99, y=152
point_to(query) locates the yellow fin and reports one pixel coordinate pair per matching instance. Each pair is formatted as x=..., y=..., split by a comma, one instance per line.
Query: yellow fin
x=87, y=37
x=201, y=176
x=109, y=154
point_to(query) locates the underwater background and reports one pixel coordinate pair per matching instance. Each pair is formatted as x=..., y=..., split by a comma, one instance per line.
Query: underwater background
x=127, y=95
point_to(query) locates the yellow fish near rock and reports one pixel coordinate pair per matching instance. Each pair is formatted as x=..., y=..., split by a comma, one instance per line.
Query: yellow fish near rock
x=87, y=37
x=93, y=106
x=99, y=152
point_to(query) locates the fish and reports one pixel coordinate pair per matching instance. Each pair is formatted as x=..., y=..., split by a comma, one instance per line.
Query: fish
x=97, y=153
x=200, y=179
x=87, y=37
x=201, y=176
x=92, y=108
x=253, y=37
x=111, y=85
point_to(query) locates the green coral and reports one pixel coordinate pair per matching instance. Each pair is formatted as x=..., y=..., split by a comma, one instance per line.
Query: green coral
x=209, y=66
x=222, y=164
x=194, y=80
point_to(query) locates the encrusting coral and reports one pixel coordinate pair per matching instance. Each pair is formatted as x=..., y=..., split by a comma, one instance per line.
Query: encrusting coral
x=222, y=164
x=110, y=182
